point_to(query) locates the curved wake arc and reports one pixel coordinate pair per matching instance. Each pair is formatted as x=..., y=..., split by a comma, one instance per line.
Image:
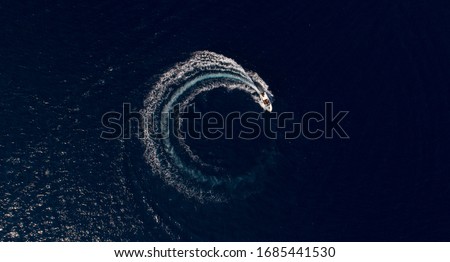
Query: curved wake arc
x=202, y=72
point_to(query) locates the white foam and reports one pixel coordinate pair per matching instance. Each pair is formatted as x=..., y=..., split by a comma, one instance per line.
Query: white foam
x=202, y=72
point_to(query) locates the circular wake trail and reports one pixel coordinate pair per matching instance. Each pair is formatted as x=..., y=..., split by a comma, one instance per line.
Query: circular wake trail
x=177, y=165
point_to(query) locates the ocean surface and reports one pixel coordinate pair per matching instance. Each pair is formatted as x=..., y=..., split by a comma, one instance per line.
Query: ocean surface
x=63, y=64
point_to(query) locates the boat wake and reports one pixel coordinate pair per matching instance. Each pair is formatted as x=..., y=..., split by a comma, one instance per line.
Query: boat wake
x=171, y=158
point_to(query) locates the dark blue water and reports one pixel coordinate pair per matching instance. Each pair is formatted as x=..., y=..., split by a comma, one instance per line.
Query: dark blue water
x=63, y=65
